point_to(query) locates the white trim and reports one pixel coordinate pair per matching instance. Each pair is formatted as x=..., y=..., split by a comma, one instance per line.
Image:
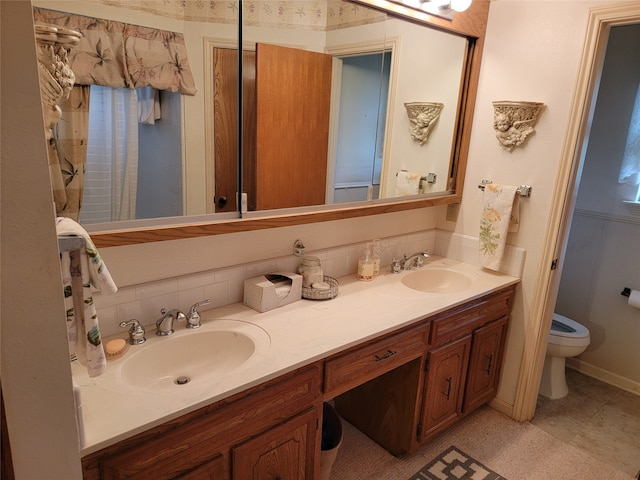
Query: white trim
x=388, y=44
x=610, y=217
x=563, y=202
x=604, y=375
x=334, y=114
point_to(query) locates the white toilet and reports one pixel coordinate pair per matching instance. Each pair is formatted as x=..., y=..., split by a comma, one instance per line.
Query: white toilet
x=567, y=338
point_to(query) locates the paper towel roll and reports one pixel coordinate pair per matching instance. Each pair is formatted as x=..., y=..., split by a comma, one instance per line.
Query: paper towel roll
x=634, y=299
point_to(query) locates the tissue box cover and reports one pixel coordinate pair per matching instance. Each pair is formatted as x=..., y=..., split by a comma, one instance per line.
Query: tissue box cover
x=272, y=290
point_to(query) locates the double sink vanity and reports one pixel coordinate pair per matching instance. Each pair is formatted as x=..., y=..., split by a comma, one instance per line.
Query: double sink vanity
x=402, y=358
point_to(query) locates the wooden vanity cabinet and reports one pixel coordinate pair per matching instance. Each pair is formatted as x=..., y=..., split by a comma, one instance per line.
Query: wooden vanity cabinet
x=401, y=389
x=464, y=363
x=269, y=431
x=485, y=364
x=434, y=384
x=446, y=372
x=280, y=453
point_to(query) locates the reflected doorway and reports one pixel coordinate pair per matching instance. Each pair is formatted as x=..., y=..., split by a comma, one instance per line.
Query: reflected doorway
x=364, y=90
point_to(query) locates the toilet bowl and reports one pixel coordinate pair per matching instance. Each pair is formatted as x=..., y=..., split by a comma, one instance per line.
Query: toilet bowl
x=567, y=338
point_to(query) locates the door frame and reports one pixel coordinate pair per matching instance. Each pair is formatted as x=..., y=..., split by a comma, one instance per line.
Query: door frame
x=601, y=18
x=389, y=44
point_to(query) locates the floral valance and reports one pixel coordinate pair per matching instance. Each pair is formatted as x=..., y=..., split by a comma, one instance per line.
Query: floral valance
x=119, y=55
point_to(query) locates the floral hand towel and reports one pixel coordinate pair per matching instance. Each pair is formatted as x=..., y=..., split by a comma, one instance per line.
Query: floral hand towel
x=498, y=215
x=82, y=271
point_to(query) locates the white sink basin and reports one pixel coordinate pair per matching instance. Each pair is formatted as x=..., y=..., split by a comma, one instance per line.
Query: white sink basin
x=191, y=357
x=437, y=280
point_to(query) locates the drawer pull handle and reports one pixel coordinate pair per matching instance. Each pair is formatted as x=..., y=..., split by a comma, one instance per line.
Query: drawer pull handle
x=389, y=353
x=489, y=365
x=448, y=394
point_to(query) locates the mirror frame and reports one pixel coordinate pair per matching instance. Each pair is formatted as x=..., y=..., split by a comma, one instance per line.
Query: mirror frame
x=470, y=24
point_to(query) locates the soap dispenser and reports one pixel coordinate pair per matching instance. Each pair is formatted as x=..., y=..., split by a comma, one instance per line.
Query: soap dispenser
x=376, y=257
x=366, y=264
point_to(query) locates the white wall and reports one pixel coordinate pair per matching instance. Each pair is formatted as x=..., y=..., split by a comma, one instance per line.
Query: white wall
x=532, y=53
x=36, y=382
x=602, y=254
x=424, y=74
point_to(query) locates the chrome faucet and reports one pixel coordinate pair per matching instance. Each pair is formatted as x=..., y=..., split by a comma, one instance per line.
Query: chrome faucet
x=405, y=263
x=136, y=332
x=193, y=317
x=164, y=325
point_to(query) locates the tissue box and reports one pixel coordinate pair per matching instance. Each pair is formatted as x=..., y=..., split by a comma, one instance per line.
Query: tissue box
x=273, y=290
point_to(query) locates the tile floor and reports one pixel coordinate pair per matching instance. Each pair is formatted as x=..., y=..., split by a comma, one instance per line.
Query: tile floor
x=596, y=417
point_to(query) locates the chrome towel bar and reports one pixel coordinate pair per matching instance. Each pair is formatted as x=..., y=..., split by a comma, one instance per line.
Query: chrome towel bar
x=522, y=190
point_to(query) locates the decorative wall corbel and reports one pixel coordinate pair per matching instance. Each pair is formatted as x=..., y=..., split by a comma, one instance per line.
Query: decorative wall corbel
x=513, y=122
x=56, y=77
x=422, y=117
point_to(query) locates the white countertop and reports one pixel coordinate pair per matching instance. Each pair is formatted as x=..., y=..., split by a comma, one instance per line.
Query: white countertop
x=288, y=338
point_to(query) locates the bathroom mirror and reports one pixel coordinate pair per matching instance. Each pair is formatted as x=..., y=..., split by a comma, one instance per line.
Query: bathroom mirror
x=468, y=27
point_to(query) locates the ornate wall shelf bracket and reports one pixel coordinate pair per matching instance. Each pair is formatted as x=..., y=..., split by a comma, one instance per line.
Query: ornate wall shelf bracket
x=422, y=117
x=56, y=77
x=513, y=122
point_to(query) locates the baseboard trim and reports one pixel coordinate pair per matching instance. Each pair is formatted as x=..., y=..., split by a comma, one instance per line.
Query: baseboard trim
x=502, y=407
x=603, y=375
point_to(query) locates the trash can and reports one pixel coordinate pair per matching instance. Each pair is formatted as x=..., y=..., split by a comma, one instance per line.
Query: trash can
x=331, y=439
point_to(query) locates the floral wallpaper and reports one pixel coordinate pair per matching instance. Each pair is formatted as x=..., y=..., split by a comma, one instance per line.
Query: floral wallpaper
x=306, y=14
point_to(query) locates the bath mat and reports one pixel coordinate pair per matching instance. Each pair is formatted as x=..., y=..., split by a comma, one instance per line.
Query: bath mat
x=453, y=464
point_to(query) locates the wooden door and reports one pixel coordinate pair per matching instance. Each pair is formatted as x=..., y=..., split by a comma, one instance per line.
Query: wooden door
x=447, y=369
x=485, y=364
x=284, y=452
x=226, y=127
x=293, y=89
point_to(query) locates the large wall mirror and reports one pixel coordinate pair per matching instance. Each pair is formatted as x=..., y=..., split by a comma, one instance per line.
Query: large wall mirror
x=349, y=109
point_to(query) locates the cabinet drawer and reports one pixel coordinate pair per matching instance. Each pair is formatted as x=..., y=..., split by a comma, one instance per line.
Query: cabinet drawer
x=454, y=324
x=363, y=363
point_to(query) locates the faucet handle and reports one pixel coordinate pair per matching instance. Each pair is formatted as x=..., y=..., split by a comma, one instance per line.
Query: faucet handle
x=136, y=332
x=193, y=317
x=395, y=266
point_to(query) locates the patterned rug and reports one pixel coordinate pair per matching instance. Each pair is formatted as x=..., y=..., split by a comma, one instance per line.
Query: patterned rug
x=453, y=464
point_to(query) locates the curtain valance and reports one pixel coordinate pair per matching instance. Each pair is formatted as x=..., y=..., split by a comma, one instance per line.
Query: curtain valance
x=119, y=55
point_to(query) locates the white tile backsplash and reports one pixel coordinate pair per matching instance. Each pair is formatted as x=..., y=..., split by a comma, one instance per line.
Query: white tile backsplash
x=226, y=285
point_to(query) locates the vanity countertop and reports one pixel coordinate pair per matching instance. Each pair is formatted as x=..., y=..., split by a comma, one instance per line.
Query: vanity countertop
x=292, y=336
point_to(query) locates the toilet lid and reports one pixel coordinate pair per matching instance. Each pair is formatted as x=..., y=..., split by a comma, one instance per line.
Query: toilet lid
x=562, y=326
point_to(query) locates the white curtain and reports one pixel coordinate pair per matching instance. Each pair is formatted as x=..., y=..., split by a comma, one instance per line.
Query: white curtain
x=630, y=170
x=112, y=156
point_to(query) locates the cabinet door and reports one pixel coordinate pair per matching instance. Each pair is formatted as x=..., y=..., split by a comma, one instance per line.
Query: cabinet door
x=286, y=452
x=447, y=369
x=485, y=364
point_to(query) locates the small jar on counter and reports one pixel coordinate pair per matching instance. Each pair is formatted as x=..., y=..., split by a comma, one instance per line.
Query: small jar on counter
x=311, y=271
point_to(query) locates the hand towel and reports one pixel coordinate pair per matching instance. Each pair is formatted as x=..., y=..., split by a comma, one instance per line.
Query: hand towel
x=82, y=271
x=495, y=220
x=407, y=183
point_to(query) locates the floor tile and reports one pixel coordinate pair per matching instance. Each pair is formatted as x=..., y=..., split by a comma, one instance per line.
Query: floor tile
x=595, y=417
